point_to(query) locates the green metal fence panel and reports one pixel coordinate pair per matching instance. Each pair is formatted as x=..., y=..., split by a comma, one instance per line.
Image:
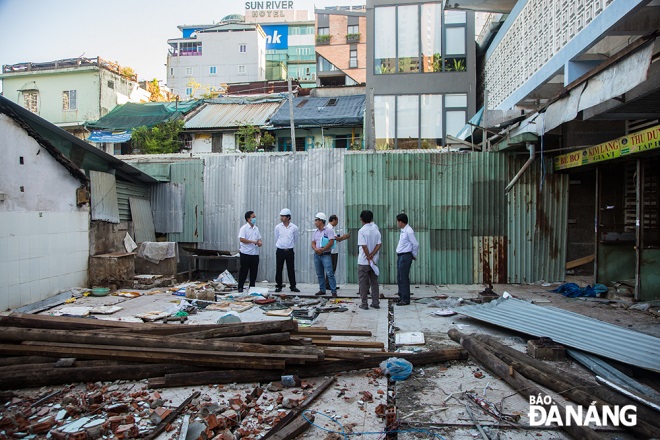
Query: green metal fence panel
x=191, y=174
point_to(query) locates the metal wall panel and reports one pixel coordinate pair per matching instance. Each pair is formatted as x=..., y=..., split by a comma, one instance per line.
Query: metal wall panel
x=143, y=221
x=190, y=173
x=305, y=182
x=167, y=206
x=126, y=190
x=104, y=197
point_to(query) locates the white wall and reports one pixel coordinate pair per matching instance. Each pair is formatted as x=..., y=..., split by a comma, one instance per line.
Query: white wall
x=44, y=242
x=202, y=143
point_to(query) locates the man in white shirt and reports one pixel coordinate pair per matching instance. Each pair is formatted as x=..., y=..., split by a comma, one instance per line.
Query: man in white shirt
x=286, y=235
x=406, y=252
x=369, y=243
x=250, y=242
x=333, y=221
x=322, y=241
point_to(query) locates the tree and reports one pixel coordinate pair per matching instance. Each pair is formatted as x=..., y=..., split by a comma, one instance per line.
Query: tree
x=128, y=72
x=160, y=139
x=247, y=136
x=154, y=91
x=267, y=141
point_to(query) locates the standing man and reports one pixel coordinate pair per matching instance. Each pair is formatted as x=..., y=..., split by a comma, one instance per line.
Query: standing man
x=286, y=235
x=250, y=242
x=322, y=242
x=406, y=252
x=369, y=243
x=332, y=224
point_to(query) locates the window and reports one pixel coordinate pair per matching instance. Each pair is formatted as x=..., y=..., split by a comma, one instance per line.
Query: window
x=456, y=112
x=189, y=71
x=189, y=91
x=242, y=48
x=213, y=70
x=190, y=49
x=171, y=71
x=431, y=25
x=353, y=60
x=331, y=102
x=455, y=41
x=407, y=121
x=354, y=29
x=30, y=100
x=430, y=121
x=111, y=84
x=69, y=100
x=385, y=44
x=324, y=31
x=241, y=69
x=384, y=116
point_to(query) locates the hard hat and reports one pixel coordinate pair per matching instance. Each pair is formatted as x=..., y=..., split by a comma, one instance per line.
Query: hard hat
x=320, y=216
x=285, y=211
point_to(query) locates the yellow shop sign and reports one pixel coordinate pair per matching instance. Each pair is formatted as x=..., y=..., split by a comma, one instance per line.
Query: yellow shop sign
x=644, y=140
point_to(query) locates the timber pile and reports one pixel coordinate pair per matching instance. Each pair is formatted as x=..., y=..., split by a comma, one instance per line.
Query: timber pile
x=39, y=350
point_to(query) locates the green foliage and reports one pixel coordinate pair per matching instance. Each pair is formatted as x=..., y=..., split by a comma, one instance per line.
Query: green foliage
x=384, y=69
x=247, y=138
x=352, y=37
x=267, y=140
x=455, y=65
x=154, y=91
x=160, y=139
x=437, y=62
x=323, y=38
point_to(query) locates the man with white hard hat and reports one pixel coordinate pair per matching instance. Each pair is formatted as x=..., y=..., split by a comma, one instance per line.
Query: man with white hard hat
x=286, y=235
x=322, y=242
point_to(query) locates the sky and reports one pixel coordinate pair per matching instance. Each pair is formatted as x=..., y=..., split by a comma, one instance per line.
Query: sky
x=133, y=33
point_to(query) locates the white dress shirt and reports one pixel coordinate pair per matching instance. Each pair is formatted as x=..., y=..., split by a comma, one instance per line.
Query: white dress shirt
x=368, y=235
x=286, y=236
x=249, y=232
x=323, y=233
x=334, y=249
x=407, y=242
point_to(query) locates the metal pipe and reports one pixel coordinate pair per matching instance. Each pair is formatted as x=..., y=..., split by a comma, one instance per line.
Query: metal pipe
x=532, y=156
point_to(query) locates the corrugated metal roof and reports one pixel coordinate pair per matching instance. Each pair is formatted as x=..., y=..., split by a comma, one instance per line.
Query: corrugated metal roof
x=571, y=329
x=232, y=115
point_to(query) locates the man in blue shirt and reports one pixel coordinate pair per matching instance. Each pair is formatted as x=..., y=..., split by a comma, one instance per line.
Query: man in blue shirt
x=406, y=252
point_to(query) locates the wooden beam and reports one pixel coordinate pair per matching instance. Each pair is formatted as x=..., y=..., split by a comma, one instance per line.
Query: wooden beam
x=580, y=261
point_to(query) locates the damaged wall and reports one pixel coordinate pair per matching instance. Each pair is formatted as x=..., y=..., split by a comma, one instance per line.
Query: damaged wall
x=43, y=233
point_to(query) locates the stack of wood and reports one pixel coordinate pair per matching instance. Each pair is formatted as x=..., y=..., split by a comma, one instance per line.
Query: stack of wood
x=38, y=350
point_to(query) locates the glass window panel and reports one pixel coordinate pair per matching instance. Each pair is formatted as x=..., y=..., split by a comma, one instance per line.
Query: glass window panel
x=431, y=120
x=453, y=17
x=455, y=41
x=455, y=121
x=407, y=121
x=431, y=33
x=408, y=39
x=456, y=100
x=384, y=119
x=385, y=44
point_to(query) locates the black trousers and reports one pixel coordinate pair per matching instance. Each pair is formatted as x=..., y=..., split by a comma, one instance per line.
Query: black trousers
x=335, y=257
x=285, y=256
x=248, y=263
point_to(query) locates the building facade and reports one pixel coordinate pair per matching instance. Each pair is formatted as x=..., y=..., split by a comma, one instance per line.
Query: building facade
x=341, y=46
x=69, y=92
x=421, y=73
x=206, y=58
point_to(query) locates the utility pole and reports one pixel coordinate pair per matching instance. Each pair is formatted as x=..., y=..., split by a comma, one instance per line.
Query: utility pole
x=293, y=128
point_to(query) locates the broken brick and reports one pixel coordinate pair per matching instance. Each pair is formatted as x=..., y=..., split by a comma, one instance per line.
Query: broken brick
x=42, y=426
x=127, y=431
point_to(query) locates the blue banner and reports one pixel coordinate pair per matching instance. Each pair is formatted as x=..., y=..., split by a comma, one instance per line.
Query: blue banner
x=277, y=36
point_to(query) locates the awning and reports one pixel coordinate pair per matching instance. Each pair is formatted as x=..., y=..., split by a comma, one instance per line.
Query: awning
x=109, y=137
x=468, y=129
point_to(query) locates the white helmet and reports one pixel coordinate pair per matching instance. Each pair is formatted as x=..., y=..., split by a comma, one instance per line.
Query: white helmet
x=321, y=216
x=286, y=211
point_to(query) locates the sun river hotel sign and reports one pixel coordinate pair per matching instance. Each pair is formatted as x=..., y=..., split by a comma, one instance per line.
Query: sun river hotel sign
x=269, y=8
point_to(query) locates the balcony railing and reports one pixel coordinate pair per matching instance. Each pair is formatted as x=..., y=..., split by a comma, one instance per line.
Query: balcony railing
x=352, y=38
x=323, y=39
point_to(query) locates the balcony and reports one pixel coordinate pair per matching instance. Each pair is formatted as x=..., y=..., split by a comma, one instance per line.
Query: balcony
x=352, y=38
x=322, y=39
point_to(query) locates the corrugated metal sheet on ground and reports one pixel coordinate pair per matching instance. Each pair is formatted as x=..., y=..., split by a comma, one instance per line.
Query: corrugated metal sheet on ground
x=143, y=221
x=232, y=115
x=104, y=197
x=167, y=207
x=126, y=190
x=571, y=329
x=305, y=182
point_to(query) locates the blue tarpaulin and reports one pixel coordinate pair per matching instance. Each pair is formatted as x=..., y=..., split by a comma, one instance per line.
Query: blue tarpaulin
x=110, y=137
x=572, y=290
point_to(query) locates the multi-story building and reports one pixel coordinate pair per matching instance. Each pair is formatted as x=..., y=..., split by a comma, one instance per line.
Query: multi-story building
x=208, y=57
x=341, y=45
x=420, y=73
x=69, y=92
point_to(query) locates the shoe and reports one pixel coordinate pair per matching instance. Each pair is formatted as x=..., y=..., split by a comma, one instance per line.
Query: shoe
x=401, y=303
x=278, y=289
x=375, y=306
x=240, y=290
x=338, y=287
x=381, y=296
x=334, y=294
x=364, y=307
x=295, y=289
x=319, y=293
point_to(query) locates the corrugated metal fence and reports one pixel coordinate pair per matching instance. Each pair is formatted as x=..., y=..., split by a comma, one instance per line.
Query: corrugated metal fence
x=304, y=182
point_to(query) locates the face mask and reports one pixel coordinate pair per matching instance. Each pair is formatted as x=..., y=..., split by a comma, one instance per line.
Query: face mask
x=253, y=220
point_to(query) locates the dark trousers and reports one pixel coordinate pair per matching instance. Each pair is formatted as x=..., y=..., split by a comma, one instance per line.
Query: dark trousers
x=403, y=263
x=285, y=256
x=367, y=278
x=335, y=257
x=248, y=263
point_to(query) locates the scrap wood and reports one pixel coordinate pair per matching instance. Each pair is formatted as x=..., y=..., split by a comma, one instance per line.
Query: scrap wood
x=170, y=418
x=519, y=383
x=295, y=412
x=358, y=344
x=296, y=427
x=313, y=331
x=580, y=261
x=492, y=409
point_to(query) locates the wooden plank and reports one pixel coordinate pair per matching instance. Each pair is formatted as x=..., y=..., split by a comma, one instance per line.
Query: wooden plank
x=170, y=418
x=246, y=329
x=296, y=427
x=580, y=261
x=307, y=331
x=357, y=344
